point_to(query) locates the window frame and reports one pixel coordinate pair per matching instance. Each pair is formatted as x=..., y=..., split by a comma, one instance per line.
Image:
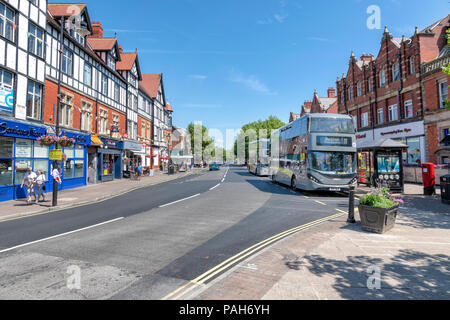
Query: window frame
x=34, y=94
x=6, y=21
x=390, y=113
x=441, y=85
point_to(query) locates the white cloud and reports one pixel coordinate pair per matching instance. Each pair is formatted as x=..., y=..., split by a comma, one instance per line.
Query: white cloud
x=252, y=82
x=280, y=18
x=198, y=76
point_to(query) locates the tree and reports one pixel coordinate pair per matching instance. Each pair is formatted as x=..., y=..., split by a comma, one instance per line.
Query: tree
x=200, y=139
x=253, y=130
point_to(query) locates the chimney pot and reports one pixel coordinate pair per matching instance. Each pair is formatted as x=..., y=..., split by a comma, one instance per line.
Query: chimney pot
x=97, y=30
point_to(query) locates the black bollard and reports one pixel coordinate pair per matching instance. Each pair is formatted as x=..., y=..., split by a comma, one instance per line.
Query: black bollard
x=351, y=206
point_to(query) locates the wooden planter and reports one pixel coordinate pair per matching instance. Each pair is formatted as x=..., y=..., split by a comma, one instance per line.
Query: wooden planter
x=378, y=220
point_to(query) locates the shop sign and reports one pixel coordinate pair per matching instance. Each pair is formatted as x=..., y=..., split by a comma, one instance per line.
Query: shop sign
x=6, y=100
x=400, y=131
x=55, y=155
x=9, y=128
x=111, y=144
x=133, y=146
x=21, y=112
x=79, y=138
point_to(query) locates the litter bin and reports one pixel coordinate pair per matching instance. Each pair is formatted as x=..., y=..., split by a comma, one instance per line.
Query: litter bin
x=445, y=189
x=172, y=169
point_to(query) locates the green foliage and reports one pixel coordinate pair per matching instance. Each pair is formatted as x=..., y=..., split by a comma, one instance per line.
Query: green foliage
x=205, y=138
x=271, y=123
x=380, y=198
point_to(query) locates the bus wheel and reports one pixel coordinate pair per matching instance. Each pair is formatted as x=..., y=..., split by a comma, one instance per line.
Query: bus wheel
x=294, y=183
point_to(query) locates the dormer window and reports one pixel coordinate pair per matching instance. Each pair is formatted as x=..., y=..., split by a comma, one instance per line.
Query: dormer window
x=79, y=38
x=111, y=62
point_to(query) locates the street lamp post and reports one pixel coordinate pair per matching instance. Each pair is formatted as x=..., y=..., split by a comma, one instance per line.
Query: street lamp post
x=55, y=162
x=81, y=28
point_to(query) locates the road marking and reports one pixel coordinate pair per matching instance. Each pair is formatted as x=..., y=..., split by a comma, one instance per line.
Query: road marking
x=61, y=235
x=169, y=204
x=242, y=255
x=214, y=187
x=320, y=202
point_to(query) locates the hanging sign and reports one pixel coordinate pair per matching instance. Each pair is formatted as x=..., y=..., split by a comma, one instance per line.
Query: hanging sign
x=6, y=100
x=55, y=155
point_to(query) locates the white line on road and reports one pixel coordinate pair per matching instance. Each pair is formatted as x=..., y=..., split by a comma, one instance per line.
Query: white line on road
x=168, y=204
x=60, y=235
x=214, y=187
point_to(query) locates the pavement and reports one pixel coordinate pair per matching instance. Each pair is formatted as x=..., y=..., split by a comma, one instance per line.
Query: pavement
x=223, y=235
x=85, y=195
x=340, y=261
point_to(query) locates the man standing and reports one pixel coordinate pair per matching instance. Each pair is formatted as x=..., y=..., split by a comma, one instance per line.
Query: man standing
x=30, y=182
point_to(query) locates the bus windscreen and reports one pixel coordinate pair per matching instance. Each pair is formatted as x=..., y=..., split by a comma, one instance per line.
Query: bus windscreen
x=330, y=125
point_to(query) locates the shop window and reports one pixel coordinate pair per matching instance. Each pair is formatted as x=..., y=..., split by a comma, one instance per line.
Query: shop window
x=24, y=148
x=40, y=151
x=68, y=169
x=41, y=165
x=6, y=147
x=79, y=151
x=22, y=166
x=6, y=173
x=79, y=168
x=413, y=150
x=445, y=160
x=108, y=163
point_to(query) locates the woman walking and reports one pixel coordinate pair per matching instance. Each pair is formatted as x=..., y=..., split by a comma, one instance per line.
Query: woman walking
x=30, y=182
x=40, y=181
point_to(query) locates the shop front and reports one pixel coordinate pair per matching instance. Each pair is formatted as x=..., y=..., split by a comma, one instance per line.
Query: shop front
x=411, y=134
x=109, y=160
x=133, y=152
x=19, y=150
x=74, y=168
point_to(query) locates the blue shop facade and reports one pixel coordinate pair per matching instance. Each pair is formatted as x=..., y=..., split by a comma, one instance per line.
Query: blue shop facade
x=19, y=150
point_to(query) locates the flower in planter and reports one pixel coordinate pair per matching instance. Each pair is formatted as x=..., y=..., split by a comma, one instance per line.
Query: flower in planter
x=380, y=198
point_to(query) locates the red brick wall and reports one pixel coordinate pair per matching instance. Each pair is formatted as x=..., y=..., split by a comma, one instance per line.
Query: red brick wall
x=51, y=92
x=432, y=136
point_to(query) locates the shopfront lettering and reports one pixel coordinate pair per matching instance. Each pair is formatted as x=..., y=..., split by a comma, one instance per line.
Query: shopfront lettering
x=361, y=136
x=25, y=132
x=399, y=131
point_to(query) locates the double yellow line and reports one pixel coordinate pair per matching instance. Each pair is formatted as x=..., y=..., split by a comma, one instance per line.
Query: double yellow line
x=241, y=256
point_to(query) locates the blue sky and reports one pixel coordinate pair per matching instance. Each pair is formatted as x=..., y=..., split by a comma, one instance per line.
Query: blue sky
x=230, y=62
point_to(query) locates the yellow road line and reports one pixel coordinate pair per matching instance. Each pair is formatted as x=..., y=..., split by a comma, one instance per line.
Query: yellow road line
x=243, y=254
x=320, y=202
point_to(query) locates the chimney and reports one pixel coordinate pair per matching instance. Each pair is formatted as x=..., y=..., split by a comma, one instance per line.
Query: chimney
x=366, y=57
x=331, y=93
x=97, y=30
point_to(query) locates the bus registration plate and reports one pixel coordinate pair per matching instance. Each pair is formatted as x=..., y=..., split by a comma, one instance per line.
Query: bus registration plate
x=335, y=189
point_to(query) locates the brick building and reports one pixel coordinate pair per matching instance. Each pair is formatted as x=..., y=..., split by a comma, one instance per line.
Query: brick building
x=383, y=93
x=437, y=117
x=326, y=104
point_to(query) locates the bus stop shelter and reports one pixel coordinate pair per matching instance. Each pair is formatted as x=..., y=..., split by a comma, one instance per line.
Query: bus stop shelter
x=380, y=163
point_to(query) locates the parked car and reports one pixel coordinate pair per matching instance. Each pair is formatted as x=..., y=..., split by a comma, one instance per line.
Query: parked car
x=214, y=167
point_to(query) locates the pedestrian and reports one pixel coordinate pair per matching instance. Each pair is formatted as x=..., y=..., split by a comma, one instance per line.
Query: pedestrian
x=140, y=170
x=40, y=181
x=30, y=182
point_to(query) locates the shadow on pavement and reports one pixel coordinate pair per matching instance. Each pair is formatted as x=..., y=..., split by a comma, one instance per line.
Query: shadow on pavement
x=409, y=275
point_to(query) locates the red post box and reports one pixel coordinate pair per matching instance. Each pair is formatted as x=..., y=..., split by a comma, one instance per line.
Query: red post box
x=429, y=179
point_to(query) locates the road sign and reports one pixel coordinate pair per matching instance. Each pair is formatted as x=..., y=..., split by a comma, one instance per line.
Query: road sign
x=55, y=154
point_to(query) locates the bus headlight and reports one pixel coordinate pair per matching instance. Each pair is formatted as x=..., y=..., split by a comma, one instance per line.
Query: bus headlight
x=397, y=177
x=381, y=177
x=391, y=177
x=313, y=179
x=386, y=177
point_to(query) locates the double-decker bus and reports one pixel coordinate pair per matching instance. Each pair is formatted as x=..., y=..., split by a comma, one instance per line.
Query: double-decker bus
x=259, y=158
x=316, y=152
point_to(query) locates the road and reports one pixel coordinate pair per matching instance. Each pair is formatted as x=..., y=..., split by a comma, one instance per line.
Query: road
x=152, y=243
